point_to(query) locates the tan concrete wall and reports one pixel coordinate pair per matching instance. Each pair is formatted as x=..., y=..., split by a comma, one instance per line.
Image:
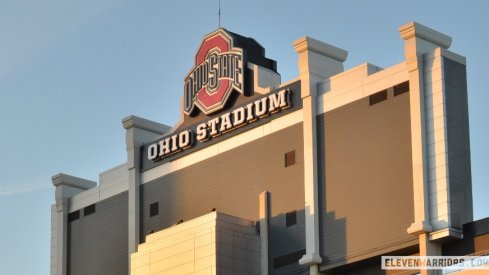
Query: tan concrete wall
x=212, y=244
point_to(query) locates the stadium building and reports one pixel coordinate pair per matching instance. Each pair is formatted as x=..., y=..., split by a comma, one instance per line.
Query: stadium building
x=324, y=173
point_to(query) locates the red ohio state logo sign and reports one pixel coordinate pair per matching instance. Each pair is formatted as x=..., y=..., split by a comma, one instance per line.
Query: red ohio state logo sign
x=218, y=71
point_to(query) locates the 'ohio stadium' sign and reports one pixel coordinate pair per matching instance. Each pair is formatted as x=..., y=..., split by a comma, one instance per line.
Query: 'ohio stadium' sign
x=229, y=121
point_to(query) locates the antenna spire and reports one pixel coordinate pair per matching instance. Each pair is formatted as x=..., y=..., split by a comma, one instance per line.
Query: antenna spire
x=219, y=15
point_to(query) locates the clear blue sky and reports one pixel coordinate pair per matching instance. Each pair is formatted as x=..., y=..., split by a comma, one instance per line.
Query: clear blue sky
x=71, y=70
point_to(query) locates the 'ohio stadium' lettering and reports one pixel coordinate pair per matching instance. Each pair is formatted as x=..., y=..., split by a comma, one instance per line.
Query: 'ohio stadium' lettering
x=219, y=125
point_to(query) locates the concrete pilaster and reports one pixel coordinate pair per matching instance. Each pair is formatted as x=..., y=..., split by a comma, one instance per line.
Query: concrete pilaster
x=264, y=219
x=429, y=248
x=317, y=61
x=419, y=40
x=66, y=187
x=138, y=131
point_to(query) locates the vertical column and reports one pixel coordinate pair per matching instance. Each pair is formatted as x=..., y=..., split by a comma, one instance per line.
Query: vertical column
x=418, y=144
x=138, y=131
x=419, y=41
x=54, y=240
x=429, y=248
x=66, y=187
x=317, y=61
x=311, y=194
x=264, y=219
x=132, y=147
x=61, y=241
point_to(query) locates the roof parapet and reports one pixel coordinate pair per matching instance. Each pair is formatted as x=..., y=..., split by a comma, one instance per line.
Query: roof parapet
x=317, y=62
x=144, y=124
x=310, y=44
x=75, y=182
x=419, y=39
x=414, y=29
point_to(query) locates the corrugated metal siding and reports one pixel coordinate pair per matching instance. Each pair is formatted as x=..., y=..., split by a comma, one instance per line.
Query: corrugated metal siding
x=284, y=240
x=97, y=243
x=365, y=178
x=231, y=182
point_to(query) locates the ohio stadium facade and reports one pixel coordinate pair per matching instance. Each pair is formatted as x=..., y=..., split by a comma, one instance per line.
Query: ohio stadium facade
x=324, y=173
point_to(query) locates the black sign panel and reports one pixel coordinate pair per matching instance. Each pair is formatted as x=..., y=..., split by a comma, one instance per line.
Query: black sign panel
x=222, y=126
